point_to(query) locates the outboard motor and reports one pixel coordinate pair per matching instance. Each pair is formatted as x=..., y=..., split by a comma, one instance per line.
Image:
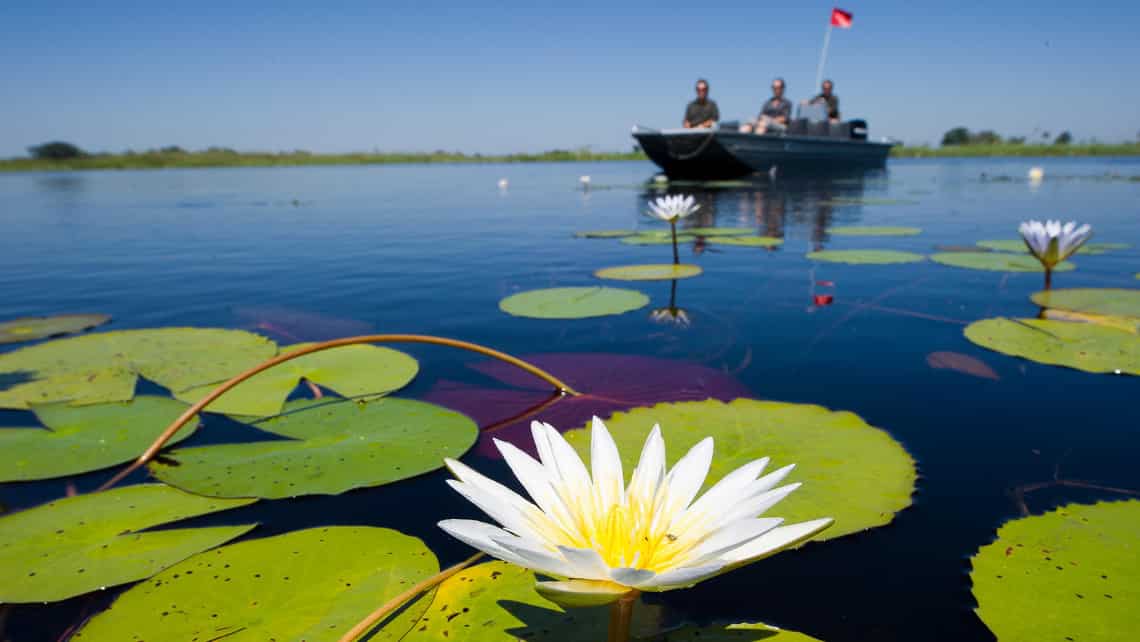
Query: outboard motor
x=858, y=129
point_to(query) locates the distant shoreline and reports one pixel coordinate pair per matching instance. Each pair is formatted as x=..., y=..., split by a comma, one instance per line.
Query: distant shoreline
x=225, y=158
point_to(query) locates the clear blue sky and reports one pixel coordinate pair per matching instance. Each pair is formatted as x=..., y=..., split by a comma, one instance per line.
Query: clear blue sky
x=529, y=76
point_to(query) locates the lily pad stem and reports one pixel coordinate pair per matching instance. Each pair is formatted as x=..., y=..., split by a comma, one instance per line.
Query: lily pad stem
x=673, y=226
x=365, y=625
x=621, y=616
x=1048, y=277
x=560, y=386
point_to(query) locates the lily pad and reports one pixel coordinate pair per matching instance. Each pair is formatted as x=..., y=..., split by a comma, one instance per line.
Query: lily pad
x=865, y=257
x=573, y=303
x=351, y=371
x=1085, y=346
x=332, y=448
x=1072, y=573
x=1017, y=245
x=78, y=440
x=1107, y=301
x=655, y=272
x=748, y=241
x=868, y=230
x=80, y=544
x=996, y=262
x=851, y=471
x=604, y=234
x=97, y=368
x=313, y=585
x=1128, y=324
x=740, y=632
x=720, y=231
x=656, y=239
x=32, y=328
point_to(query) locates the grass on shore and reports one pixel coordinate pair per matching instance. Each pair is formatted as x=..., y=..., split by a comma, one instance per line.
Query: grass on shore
x=1015, y=150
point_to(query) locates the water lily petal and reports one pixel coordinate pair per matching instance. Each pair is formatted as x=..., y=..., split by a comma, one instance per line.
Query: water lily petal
x=587, y=562
x=777, y=540
x=650, y=470
x=535, y=478
x=758, y=504
x=687, y=477
x=478, y=535
x=535, y=557
x=605, y=463
x=681, y=577
x=499, y=502
x=631, y=576
x=728, y=538
x=581, y=593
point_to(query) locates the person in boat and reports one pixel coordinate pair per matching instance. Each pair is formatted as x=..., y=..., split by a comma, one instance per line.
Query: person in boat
x=702, y=112
x=828, y=99
x=775, y=113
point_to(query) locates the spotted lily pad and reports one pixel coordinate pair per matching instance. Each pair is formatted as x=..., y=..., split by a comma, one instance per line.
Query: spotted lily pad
x=996, y=262
x=1107, y=301
x=351, y=371
x=832, y=450
x=313, y=585
x=573, y=303
x=80, y=544
x=1084, y=346
x=649, y=238
x=604, y=234
x=655, y=272
x=748, y=241
x=78, y=440
x=1072, y=573
x=331, y=448
x=865, y=257
x=720, y=231
x=869, y=230
x=97, y=368
x=32, y=328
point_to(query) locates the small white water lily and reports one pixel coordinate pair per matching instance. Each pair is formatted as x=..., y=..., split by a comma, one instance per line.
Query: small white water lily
x=603, y=539
x=672, y=208
x=1036, y=174
x=503, y=183
x=1052, y=242
x=584, y=180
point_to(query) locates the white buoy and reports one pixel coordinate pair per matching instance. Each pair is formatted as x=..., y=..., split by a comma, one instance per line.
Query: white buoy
x=503, y=183
x=1036, y=174
x=584, y=181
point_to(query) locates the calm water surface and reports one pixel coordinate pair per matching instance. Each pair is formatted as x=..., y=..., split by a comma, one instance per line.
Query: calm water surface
x=311, y=253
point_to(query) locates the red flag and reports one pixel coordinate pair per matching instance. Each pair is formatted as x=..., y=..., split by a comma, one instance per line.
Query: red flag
x=841, y=18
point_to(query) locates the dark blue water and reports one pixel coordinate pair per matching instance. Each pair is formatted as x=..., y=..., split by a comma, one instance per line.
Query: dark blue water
x=432, y=249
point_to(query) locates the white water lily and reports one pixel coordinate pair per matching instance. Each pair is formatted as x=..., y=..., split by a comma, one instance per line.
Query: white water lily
x=603, y=539
x=1052, y=242
x=672, y=208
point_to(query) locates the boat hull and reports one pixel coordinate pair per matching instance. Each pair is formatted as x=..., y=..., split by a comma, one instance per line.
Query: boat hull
x=713, y=155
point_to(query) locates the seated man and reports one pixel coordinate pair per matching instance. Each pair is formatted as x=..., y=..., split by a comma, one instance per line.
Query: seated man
x=702, y=112
x=774, y=116
x=828, y=100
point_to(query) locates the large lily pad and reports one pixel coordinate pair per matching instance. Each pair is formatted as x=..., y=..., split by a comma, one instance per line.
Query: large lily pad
x=654, y=238
x=351, y=371
x=97, y=368
x=78, y=440
x=312, y=585
x=32, y=328
x=870, y=230
x=604, y=234
x=720, y=231
x=80, y=544
x=573, y=303
x=653, y=272
x=852, y=471
x=332, y=448
x=1107, y=301
x=1071, y=574
x=996, y=262
x=1085, y=346
x=1018, y=245
x=865, y=257
x=748, y=241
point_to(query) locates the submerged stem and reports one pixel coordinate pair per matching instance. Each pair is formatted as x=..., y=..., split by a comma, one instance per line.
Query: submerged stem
x=673, y=226
x=560, y=386
x=621, y=617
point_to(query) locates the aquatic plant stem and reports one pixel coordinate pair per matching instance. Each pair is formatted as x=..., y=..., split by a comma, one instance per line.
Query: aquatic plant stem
x=676, y=258
x=560, y=386
x=365, y=625
x=621, y=616
x=1048, y=277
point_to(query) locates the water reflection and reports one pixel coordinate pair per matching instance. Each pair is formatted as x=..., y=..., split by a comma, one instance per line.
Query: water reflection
x=671, y=314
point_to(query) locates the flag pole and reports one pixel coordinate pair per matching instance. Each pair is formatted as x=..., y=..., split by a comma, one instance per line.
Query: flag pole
x=822, y=56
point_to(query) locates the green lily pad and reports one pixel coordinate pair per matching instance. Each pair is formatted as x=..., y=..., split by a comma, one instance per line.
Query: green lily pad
x=604, y=234
x=313, y=585
x=656, y=239
x=97, y=368
x=32, y=328
x=1017, y=245
x=1107, y=301
x=1085, y=346
x=351, y=371
x=573, y=303
x=720, y=231
x=1072, y=573
x=865, y=257
x=655, y=272
x=747, y=241
x=79, y=440
x=80, y=544
x=996, y=262
x=332, y=447
x=740, y=632
x=868, y=230
x=851, y=471
x=851, y=200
